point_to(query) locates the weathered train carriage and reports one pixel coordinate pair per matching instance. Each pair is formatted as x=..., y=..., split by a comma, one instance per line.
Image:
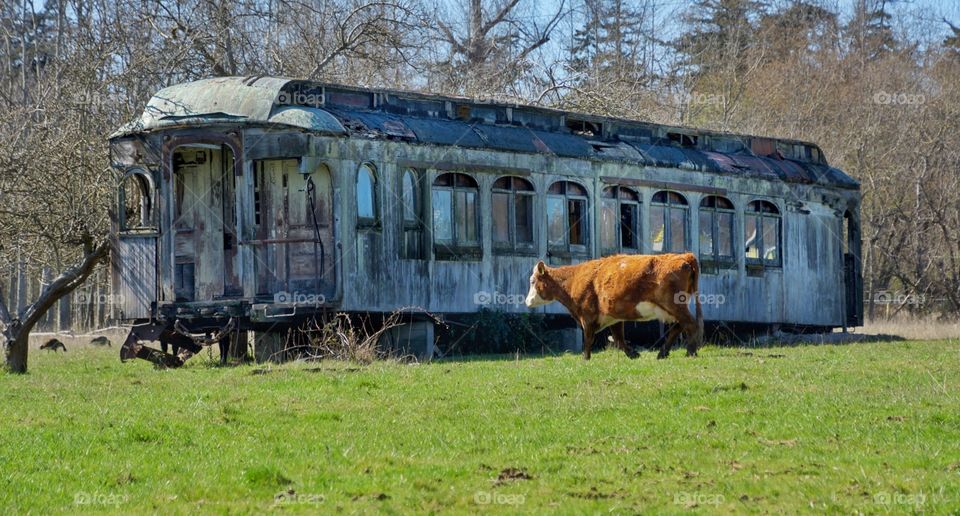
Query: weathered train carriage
x=261, y=201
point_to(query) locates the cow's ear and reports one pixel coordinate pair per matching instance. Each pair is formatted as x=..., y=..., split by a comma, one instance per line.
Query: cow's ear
x=541, y=268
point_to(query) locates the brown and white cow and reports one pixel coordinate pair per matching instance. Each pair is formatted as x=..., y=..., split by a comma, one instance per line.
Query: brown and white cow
x=608, y=291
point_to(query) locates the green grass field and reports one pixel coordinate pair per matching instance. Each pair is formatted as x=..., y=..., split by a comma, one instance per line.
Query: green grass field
x=873, y=428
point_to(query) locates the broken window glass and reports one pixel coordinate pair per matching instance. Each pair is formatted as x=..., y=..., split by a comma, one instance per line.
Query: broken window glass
x=442, y=215
x=501, y=218
x=555, y=221
x=658, y=228
x=524, y=219
x=629, y=226
x=576, y=221
x=411, y=212
x=752, y=238
x=608, y=224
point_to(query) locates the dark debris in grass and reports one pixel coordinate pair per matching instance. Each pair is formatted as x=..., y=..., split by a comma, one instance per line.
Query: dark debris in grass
x=742, y=386
x=510, y=475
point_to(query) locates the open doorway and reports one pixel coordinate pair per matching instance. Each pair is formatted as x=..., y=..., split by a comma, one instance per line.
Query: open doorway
x=293, y=218
x=204, y=223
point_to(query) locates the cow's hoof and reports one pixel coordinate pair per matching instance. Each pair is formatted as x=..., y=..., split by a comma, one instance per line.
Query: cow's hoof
x=691, y=353
x=661, y=356
x=633, y=355
x=586, y=357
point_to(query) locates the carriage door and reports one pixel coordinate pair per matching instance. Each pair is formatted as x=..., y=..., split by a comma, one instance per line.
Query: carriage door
x=204, y=223
x=852, y=278
x=135, y=260
x=293, y=216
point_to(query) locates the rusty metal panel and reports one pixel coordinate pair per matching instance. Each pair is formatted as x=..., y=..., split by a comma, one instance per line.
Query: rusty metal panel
x=313, y=119
x=274, y=145
x=373, y=123
x=444, y=132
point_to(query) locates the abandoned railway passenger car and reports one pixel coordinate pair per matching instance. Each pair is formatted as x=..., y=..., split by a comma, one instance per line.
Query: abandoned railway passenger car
x=259, y=201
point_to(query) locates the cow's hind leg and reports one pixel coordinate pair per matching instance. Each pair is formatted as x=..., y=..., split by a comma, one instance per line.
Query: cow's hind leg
x=690, y=332
x=668, y=341
x=616, y=331
x=685, y=325
x=688, y=326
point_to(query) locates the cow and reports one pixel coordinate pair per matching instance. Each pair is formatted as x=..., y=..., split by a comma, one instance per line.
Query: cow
x=608, y=291
x=53, y=345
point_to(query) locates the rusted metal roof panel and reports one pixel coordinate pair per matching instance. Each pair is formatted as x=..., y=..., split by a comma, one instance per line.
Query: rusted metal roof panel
x=359, y=112
x=228, y=99
x=373, y=124
x=309, y=118
x=666, y=156
x=561, y=144
x=444, y=132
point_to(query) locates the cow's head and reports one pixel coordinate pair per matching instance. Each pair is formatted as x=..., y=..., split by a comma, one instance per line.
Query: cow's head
x=541, y=287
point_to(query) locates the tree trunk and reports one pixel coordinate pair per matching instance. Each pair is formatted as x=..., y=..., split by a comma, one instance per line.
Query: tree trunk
x=17, y=353
x=16, y=330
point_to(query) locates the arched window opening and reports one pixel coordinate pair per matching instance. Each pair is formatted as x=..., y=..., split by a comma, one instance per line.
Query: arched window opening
x=567, y=217
x=716, y=233
x=367, y=211
x=762, y=233
x=668, y=222
x=512, y=214
x=456, y=228
x=411, y=245
x=136, y=202
x=619, y=220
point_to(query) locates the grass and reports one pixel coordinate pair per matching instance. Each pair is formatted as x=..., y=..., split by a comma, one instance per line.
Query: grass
x=868, y=428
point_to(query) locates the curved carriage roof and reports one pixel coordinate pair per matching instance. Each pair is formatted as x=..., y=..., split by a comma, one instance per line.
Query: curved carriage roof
x=445, y=120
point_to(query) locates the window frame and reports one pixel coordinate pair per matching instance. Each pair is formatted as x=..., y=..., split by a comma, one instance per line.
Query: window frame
x=455, y=249
x=147, y=212
x=618, y=201
x=416, y=226
x=567, y=248
x=362, y=221
x=667, y=207
x=759, y=215
x=513, y=246
x=716, y=260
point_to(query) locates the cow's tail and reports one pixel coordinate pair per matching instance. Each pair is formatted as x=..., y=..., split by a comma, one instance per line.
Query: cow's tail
x=696, y=299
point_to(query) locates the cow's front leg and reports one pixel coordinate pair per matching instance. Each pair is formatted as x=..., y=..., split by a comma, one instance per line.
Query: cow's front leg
x=616, y=331
x=668, y=341
x=589, y=330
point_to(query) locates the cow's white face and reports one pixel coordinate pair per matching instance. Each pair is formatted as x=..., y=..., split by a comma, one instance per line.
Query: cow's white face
x=534, y=296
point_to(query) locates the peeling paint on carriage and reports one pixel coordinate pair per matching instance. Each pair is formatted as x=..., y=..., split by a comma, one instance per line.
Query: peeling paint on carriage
x=256, y=195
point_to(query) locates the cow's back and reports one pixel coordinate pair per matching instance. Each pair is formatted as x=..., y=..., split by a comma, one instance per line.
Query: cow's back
x=623, y=281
